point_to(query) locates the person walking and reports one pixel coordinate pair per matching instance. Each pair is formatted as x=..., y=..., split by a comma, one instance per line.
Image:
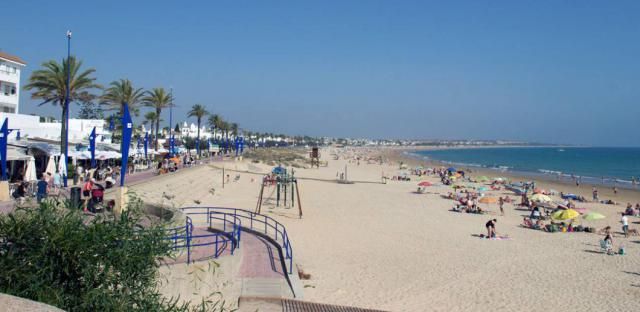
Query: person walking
x=42, y=188
x=501, y=201
x=625, y=224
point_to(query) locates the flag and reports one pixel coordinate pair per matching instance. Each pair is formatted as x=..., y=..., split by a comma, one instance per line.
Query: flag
x=92, y=147
x=146, y=142
x=127, y=128
x=4, y=134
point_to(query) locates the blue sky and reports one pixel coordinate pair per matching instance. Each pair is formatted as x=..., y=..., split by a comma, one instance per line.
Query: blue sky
x=548, y=71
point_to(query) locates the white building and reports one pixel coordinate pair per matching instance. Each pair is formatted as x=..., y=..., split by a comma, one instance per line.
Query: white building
x=10, y=68
x=30, y=127
x=192, y=131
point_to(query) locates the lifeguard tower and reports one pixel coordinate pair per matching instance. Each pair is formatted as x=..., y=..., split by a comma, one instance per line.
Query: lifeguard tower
x=315, y=157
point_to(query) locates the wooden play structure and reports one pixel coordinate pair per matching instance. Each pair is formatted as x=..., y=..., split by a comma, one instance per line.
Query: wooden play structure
x=283, y=183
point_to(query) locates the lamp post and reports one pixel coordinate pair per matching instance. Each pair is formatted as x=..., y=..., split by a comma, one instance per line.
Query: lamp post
x=171, y=122
x=66, y=109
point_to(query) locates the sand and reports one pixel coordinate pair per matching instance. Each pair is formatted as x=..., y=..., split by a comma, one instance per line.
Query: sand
x=383, y=246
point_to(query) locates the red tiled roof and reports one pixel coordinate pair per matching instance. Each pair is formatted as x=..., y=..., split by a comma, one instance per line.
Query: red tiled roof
x=12, y=58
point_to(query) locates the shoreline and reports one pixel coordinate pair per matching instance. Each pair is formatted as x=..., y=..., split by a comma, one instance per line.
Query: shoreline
x=550, y=175
x=624, y=195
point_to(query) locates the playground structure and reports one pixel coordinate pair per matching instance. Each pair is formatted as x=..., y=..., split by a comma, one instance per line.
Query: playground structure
x=283, y=183
x=315, y=157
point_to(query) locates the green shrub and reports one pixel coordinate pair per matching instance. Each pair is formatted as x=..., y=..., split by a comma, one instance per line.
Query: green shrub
x=60, y=257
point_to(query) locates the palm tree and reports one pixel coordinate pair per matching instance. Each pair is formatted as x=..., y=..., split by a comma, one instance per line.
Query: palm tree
x=150, y=119
x=121, y=92
x=215, y=121
x=50, y=85
x=198, y=111
x=234, y=129
x=158, y=99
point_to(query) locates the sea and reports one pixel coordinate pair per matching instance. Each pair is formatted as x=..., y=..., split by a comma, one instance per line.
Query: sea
x=593, y=165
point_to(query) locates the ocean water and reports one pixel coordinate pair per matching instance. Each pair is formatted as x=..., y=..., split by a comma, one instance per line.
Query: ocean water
x=591, y=164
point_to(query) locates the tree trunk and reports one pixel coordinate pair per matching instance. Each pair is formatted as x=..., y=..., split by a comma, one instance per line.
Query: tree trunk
x=155, y=145
x=198, y=145
x=63, y=126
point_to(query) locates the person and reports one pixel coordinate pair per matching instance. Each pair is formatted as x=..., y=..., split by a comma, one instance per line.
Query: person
x=535, y=214
x=501, y=201
x=57, y=180
x=615, y=190
x=608, y=239
x=491, y=228
x=20, y=192
x=42, y=187
x=80, y=171
x=629, y=211
x=109, y=181
x=86, y=192
x=595, y=194
x=638, y=210
x=625, y=225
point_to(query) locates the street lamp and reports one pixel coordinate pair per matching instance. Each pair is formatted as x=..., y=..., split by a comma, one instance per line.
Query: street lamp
x=171, y=140
x=66, y=108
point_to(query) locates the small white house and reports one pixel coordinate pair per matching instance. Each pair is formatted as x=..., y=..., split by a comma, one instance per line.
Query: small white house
x=10, y=68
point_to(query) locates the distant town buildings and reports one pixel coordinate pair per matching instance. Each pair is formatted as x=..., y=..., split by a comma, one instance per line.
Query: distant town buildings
x=10, y=68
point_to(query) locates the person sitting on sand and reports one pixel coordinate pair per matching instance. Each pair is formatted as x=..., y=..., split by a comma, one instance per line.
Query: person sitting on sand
x=491, y=228
x=535, y=214
x=629, y=211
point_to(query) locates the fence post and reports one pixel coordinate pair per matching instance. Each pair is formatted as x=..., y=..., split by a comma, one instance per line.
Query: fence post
x=224, y=226
x=216, y=251
x=265, y=224
x=188, y=234
x=276, y=231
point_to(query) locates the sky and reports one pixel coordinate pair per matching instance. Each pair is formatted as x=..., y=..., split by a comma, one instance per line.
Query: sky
x=545, y=71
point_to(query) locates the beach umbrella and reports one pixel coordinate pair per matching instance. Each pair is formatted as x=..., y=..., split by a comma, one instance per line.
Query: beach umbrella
x=541, y=198
x=451, y=169
x=593, y=216
x=488, y=200
x=30, y=173
x=565, y=214
x=482, y=189
x=482, y=179
x=51, y=165
x=62, y=165
x=538, y=191
x=425, y=183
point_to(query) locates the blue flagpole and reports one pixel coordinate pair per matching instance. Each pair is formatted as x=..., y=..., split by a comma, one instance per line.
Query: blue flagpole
x=66, y=107
x=92, y=147
x=127, y=128
x=146, y=141
x=4, y=136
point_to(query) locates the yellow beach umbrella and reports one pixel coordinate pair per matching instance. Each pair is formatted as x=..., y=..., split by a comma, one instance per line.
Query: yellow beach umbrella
x=565, y=214
x=540, y=198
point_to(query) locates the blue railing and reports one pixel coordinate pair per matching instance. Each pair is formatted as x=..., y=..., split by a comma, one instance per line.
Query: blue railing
x=183, y=237
x=256, y=222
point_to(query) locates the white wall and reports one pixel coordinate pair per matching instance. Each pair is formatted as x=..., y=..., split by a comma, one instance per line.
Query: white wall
x=7, y=75
x=31, y=127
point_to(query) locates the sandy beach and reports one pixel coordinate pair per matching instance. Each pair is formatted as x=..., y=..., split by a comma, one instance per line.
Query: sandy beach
x=383, y=246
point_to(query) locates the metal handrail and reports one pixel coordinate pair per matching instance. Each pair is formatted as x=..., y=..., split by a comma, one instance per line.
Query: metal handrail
x=278, y=229
x=182, y=237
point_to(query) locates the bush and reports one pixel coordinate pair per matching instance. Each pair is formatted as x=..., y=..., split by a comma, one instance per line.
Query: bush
x=59, y=257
